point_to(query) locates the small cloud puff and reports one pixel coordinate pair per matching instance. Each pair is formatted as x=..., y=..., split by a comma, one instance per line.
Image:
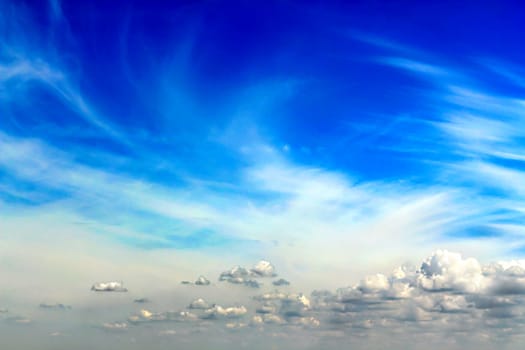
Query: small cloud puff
x=115, y=326
x=202, y=281
x=149, y=316
x=19, y=320
x=55, y=306
x=281, y=282
x=141, y=301
x=287, y=304
x=263, y=269
x=218, y=311
x=199, y=304
x=241, y=275
x=108, y=287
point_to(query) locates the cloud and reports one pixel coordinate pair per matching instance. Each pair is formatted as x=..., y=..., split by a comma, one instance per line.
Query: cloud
x=281, y=282
x=108, y=287
x=145, y=316
x=141, y=300
x=449, y=271
x=267, y=319
x=199, y=304
x=235, y=275
x=287, y=304
x=266, y=308
x=202, y=281
x=240, y=275
x=55, y=306
x=19, y=320
x=115, y=326
x=447, y=290
x=263, y=269
x=218, y=311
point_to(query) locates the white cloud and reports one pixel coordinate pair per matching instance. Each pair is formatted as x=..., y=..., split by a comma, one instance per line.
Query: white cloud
x=199, y=304
x=145, y=316
x=218, y=311
x=263, y=269
x=108, y=287
x=202, y=281
x=115, y=326
x=241, y=275
x=445, y=270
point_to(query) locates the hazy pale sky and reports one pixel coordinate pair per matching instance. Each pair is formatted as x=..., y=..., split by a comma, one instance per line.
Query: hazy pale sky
x=262, y=175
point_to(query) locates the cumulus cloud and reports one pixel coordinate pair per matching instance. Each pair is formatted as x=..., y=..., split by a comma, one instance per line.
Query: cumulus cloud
x=202, y=281
x=218, y=311
x=285, y=306
x=199, y=304
x=241, y=275
x=445, y=270
x=235, y=275
x=263, y=269
x=266, y=308
x=447, y=291
x=149, y=316
x=108, y=287
x=267, y=319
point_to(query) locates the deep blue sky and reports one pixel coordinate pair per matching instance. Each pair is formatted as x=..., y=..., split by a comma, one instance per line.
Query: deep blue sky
x=189, y=95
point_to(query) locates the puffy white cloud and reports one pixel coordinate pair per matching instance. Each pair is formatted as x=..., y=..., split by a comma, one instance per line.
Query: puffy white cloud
x=202, y=281
x=263, y=269
x=448, y=293
x=374, y=284
x=273, y=319
x=199, y=304
x=445, y=270
x=235, y=273
x=291, y=304
x=275, y=295
x=241, y=275
x=266, y=308
x=218, y=311
x=238, y=275
x=149, y=316
x=108, y=287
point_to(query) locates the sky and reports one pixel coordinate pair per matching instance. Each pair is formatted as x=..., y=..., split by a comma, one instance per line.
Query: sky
x=262, y=175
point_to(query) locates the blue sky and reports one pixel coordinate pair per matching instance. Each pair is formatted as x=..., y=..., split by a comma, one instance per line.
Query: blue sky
x=318, y=135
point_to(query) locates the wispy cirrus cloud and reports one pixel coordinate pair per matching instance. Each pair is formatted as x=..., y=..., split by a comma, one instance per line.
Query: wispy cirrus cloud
x=476, y=128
